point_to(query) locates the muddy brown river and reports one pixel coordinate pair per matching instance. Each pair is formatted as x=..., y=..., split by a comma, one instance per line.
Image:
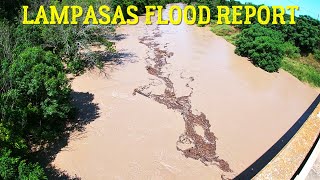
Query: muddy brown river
x=179, y=104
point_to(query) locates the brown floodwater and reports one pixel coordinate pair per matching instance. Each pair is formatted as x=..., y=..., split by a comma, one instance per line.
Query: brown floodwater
x=179, y=105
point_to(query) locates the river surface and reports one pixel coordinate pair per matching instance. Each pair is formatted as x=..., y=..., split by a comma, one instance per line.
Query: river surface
x=179, y=104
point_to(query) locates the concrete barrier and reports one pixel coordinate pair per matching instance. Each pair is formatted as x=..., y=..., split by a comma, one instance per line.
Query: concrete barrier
x=286, y=163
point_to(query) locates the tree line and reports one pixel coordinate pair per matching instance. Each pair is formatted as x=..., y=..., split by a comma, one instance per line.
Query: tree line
x=264, y=45
x=267, y=45
x=35, y=102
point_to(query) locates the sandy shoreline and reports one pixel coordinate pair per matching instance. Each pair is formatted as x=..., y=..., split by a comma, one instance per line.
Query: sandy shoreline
x=135, y=136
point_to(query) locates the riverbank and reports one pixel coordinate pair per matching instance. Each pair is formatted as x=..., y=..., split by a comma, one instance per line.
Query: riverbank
x=305, y=68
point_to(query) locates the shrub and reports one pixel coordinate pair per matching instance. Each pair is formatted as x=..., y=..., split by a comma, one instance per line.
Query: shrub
x=15, y=168
x=267, y=53
x=307, y=34
x=263, y=46
x=317, y=54
x=7, y=165
x=223, y=30
x=35, y=92
x=38, y=100
x=30, y=171
x=290, y=50
x=66, y=41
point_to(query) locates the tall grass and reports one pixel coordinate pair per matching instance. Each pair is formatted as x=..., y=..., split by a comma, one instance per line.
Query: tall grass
x=304, y=72
x=226, y=31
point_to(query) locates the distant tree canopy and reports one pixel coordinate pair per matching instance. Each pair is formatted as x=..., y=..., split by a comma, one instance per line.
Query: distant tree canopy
x=301, y=38
x=306, y=34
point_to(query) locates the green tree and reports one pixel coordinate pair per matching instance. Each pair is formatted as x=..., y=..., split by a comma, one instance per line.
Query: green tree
x=8, y=164
x=39, y=95
x=14, y=168
x=34, y=89
x=305, y=34
x=29, y=171
x=317, y=55
x=263, y=46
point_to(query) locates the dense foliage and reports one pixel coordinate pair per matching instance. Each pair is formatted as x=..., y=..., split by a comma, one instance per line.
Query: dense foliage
x=9, y=9
x=35, y=104
x=262, y=45
x=317, y=55
x=15, y=168
x=38, y=96
x=297, y=40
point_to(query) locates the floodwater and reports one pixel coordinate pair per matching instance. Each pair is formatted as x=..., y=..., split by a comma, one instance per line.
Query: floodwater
x=180, y=105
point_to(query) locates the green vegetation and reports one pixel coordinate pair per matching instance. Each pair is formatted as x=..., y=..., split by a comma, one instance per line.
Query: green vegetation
x=35, y=102
x=226, y=31
x=9, y=9
x=317, y=54
x=305, y=34
x=15, y=168
x=303, y=72
x=295, y=48
x=262, y=46
x=291, y=51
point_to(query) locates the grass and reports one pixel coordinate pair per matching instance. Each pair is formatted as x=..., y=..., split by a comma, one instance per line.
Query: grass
x=310, y=59
x=304, y=72
x=228, y=32
x=306, y=69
